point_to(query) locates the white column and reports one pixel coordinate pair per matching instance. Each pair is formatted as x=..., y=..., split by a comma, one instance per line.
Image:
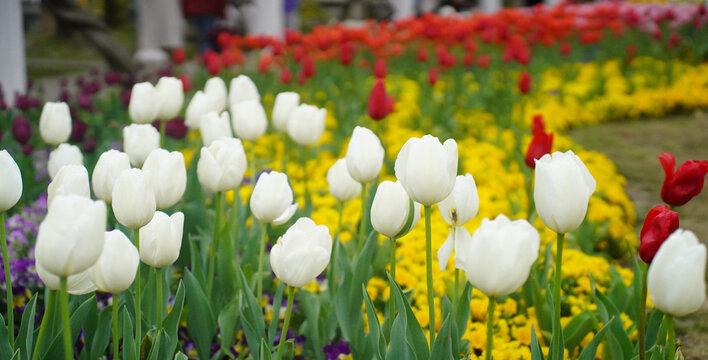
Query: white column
x=13, y=70
x=490, y=6
x=265, y=17
x=403, y=8
x=551, y=2
x=427, y=5
x=159, y=25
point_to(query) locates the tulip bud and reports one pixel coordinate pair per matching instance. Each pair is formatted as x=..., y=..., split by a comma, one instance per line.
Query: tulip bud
x=365, y=155
x=77, y=284
x=215, y=127
x=55, y=123
x=133, y=199
x=144, y=103
x=167, y=175
x=215, y=88
x=171, y=94
x=524, y=82
x=249, y=119
x=138, y=141
x=65, y=154
x=161, y=239
x=221, y=165
x=115, y=269
x=391, y=209
x=307, y=124
x=541, y=144
x=380, y=69
x=658, y=225
x=463, y=202
x=681, y=186
x=563, y=186
x=302, y=253
x=70, y=237
x=71, y=179
x=21, y=130
x=11, y=188
x=499, y=255
x=378, y=106
x=427, y=169
x=110, y=164
x=200, y=104
x=272, y=197
x=676, y=275
x=341, y=185
x=433, y=75
x=285, y=105
x=242, y=89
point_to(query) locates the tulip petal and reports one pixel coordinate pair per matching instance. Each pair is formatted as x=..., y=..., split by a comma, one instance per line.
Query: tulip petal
x=445, y=251
x=286, y=215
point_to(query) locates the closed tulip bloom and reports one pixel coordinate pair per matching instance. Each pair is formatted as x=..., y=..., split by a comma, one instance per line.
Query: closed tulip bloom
x=684, y=183
x=307, y=124
x=302, y=253
x=341, y=185
x=64, y=154
x=215, y=88
x=658, y=225
x=144, y=103
x=242, y=89
x=55, y=123
x=365, y=155
x=378, y=106
x=272, y=197
x=71, y=179
x=463, y=202
x=222, y=165
x=133, y=199
x=563, y=186
x=77, y=284
x=70, y=237
x=110, y=164
x=115, y=269
x=138, y=141
x=11, y=188
x=499, y=255
x=171, y=94
x=249, y=119
x=167, y=175
x=427, y=169
x=541, y=143
x=214, y=127
x=391, y=208
x=283, y=108
x=161, y=239
x=676, y=275
x=200, y=104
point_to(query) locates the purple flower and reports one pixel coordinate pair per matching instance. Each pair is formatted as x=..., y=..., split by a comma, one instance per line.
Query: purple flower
x=334, y=350
x=78, y=131
x=85, y=101
x=21, y=129
x=22, y=102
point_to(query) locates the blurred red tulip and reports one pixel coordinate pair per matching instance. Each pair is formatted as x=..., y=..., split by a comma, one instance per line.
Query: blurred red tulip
x=422, y=55
x=433, y=75
x=285, y=76
x=684, y=183
x=380, y=69
x=524, y=82
x=379, y=105
x=179, y=55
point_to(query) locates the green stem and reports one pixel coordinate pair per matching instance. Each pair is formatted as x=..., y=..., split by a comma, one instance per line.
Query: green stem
x=364, y=216
x=138, y=303
x=490, y=328
x=455, y=288
x=252, y=164
x=286, y=323
x=261, y=255
x=332, y=278
x=115, y=326
x=43, y=328
x=671, y=343
x=214, y=244
x=391, y=302
x=429, y=274
x=163, y=127
x=8, y=283
x=160, y=308
x=643, y=315
x=557, y=286
x=64, y=299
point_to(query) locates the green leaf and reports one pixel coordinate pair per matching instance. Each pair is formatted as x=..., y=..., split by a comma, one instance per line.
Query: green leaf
x=180, y=356
x=536, y=353
x=251, y=316
x=375, y=335
x=171, y=322
x=311, y=306
x=414, y=332
x=653, y=326
x=589, y=352
x=576, y=330
x=442, y=347
x=129, y=347
x=5, y=349
x=454, y=333
x=265, y=350
x=277, y=302
x=103, y=330
x=155, y=334
x=26, y=334
x=227, y=320
x=556, y=348
x=398, y=348
x=620, y=345
x=76, y=321
x=200, y=320
x=462, y=313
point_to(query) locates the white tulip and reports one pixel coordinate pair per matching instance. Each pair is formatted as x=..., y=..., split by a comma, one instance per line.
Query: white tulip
x=70, y=237
x=11, y=189
x=222, y=165
x=563, y=186
x=171, y=94
x=167, y=175
x=676, y=275
x=341, y=185
x=77, y=284
x=285, y=104
x=307, y=124
x=64, y=154
x=110, y=164
x=161, y=239
x=215, y=88
x=144, y=103
x=115, y=269
x=302, y=253
x=200, y=104
x=390, y=210
x=459, y=238
x=133, y=199
x=215, y=127
x=242, y=89
x=463, y=202
x=427, y=169
x=499, y=255
x=365, y=155
x=138, y=141
x=55, y=123
x=71, y=179
x=249, y=119
x=272, y=197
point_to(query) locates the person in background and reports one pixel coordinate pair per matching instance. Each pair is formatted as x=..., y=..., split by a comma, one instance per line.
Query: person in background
x=204, y=14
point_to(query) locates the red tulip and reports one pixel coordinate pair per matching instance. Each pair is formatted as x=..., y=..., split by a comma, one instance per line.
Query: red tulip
x=380, y=69
x=537, y=124
x=379, y=104
x=525, y=82
x=541, y=143
x=658, y=225
x=433, y=75
x=683, y=184
x=566, y=48
x=483, y=61
x=264, y=62
x=285, y=76
x=468, y=59
x=346, y=53
x=308, y=66
x=186, y=83
x=422, y=55
x=179, y=55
